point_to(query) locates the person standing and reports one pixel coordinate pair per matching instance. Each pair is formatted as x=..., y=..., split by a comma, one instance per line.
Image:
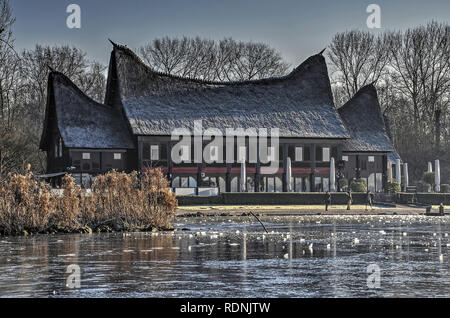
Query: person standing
x=327, y=200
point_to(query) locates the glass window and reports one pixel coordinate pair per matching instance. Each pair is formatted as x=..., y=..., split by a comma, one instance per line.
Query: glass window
x=326, y=184
x=117, y=156
x=326, y=154
x=344, y=158
x=298, y=184
x=192, y=182
x=234, y=184
x=184, y=182
x=185, y=153
x=318, y=184
x=371, y=159
x=214, y=153
x=86, y=156
x=176, y=182
x=154, y=152
x=298, y=153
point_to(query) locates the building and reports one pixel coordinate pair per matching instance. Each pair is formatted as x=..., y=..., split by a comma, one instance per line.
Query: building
x=134, y=128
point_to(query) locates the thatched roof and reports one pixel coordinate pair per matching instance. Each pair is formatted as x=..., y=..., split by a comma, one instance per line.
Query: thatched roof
x=82, y=122
x=299, y=104
x=363, y=118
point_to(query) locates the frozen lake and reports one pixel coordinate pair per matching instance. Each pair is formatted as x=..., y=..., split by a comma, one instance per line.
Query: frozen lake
x=303, y=256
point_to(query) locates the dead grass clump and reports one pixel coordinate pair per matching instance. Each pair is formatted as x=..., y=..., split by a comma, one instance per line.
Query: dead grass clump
x=116, y=202
x=25, y=205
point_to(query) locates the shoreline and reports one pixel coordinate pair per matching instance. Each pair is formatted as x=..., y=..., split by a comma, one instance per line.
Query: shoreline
x=233, y=211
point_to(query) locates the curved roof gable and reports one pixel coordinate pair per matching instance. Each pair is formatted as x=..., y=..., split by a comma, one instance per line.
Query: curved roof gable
x=300, y=104
x=82, y=122
x=363, y=118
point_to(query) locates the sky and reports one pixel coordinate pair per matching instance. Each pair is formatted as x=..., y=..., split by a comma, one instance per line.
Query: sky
x=296, y=28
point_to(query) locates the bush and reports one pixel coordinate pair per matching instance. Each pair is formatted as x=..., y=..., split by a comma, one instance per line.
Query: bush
x=393, y=187
x=428, y=177
x=343, y=184
x=445, y=188
x=358, y=185
x=118, y=201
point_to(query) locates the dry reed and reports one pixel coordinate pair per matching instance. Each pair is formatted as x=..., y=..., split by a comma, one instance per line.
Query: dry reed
x=116, y=202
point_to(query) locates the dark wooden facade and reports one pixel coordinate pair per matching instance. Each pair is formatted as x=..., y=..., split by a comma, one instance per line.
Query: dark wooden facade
x=131, y=131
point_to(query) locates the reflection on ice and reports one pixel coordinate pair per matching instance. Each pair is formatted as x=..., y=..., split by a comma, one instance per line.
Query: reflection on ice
x=221, y=257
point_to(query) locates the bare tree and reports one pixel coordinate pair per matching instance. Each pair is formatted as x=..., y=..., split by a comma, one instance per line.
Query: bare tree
x=358, y=58
x=206, y=59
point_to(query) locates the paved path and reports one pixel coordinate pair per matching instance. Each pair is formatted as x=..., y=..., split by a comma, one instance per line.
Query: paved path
x=297, y=210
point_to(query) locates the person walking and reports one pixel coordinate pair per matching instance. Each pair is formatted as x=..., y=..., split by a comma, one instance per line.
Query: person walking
x=349, y=199
x=369, y=199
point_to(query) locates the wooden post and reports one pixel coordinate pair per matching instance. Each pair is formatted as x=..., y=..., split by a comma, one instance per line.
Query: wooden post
x=228, y=178
x=357, y=168
x=169, y=163
x=313, y=168
x=384, y=171
x=285, y=155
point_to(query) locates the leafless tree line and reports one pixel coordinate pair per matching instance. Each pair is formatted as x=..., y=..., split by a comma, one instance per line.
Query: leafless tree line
x=23, y=89
x=412, y=74
x=225, y=60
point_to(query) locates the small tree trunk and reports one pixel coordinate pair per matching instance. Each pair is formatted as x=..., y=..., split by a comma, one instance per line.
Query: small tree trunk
x=437, y=130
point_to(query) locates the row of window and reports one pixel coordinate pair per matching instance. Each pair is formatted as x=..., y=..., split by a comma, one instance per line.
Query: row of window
x=297, y=153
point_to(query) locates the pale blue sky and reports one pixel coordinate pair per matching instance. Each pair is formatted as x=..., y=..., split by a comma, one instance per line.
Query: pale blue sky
x=296, y=28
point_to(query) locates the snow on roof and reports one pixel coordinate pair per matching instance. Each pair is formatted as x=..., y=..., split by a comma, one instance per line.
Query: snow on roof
x=299, y=104
x=84, y=123
x=363, y=118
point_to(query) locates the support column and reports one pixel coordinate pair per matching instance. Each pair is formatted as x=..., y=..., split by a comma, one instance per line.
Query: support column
x=358, y=168
x=398, y=172
x=437, y=176
x=140, y=155
x=385, y=172
x=228, y=178
x=285, y=155
x=313, y=168
x=169, y=163
x=406, y=176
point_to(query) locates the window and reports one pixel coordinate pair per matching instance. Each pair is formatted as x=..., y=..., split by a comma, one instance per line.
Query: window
x=298, y=153
x=242, y=154
x=344, y=158
x=185, y=153
x=326, y=154
x=86, y=156
x=154, y=152
x=214, y=153
x=56, y=150
x=117, y=156
x=371, y=159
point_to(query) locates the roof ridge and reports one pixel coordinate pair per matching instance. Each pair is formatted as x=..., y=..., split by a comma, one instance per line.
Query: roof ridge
x=77, y=89
x=131, y=53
